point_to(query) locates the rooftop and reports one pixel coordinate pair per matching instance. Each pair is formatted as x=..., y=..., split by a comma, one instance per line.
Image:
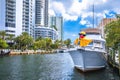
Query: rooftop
x=92, y=30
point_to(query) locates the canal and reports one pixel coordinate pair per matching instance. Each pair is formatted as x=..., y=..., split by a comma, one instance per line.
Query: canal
x=57, y=66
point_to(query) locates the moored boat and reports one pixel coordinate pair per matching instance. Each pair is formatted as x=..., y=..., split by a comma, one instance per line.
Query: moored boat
x=3, y=53
x=90, y=57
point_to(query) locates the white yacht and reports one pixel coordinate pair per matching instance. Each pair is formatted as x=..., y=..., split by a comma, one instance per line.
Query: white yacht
x=92, y=56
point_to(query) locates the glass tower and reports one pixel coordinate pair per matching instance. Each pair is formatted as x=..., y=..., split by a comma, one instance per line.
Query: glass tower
x=41, y=13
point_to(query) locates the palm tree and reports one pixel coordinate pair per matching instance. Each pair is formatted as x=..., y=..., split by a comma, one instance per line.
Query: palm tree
x=48, y=42
x=10, y=40
x=10, y=37
x=2, y=34
x=67, y=42
x=23, y=41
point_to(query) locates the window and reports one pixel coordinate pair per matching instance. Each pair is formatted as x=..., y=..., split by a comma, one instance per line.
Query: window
x=10, y=25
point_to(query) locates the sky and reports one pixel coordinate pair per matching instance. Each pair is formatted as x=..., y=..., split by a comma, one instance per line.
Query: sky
x=78, y=14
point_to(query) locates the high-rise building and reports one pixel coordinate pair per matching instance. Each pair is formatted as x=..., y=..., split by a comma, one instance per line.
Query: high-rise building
x=57, y=22
x=41, y=12
x=41, y=21
x=8, y=16
x=16, y=16
x=24, y=17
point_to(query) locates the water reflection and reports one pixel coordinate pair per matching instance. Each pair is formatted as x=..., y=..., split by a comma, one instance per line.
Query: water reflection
x=44, y=67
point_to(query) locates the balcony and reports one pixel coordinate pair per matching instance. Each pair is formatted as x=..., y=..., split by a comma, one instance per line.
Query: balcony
x=10, y=6
x=10, y=13
x=10, y=2
x=10, y=10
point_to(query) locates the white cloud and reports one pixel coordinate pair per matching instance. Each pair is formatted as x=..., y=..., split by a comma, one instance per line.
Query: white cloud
x=117, y=10
x=83, y=22
x=51, y=12
x=69, y=17
x=58, y=7
x=74, y=35
x=75, y=8
x=104, y=0
x=71, y=12
x=72, y=9
x=86, y=22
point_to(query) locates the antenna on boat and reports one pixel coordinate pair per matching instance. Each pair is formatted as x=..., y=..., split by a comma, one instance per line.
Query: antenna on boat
x=93, y=15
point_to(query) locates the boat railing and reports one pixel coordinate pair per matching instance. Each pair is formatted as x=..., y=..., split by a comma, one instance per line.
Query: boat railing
x=92, y=48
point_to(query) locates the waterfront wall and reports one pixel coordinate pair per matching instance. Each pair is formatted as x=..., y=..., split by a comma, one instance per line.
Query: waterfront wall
x=30, y=52
x=114, y=59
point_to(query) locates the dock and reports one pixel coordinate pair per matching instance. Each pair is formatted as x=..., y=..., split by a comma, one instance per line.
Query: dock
x=113, y=59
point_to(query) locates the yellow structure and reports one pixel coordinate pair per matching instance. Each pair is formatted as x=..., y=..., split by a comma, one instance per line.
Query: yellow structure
x=82, y=42
x=82, y=32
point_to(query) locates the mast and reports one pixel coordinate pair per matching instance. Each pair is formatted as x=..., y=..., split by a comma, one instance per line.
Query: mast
x=93, y=15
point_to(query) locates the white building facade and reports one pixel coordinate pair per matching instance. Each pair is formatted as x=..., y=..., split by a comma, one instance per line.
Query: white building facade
x=16, y=16
x=45, y=32
x=24, y=17
x=41, y=21
x=57, y=21
x=8, y=16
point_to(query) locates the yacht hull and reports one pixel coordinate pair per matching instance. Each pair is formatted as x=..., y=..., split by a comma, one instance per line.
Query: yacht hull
x=87, y=60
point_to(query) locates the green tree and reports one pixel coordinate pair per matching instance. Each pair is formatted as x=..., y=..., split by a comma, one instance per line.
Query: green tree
x=58, y=43
x=10, y=37
x=39, y=38
x=37, y=45
x=48, y=42
x=112, y=31
x=3, y=44
x=2, y=34
x=54, y=46
x=67, y=42
x=10, y=40
x=24, y=41
x=43, y=43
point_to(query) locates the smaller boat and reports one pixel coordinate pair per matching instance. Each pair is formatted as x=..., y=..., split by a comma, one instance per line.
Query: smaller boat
x=62, y=50
x=3, y=53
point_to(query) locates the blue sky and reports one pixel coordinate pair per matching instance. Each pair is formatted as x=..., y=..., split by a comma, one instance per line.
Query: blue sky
x=78, y=14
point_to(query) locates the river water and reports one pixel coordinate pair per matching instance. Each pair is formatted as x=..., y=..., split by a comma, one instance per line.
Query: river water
x=58, y=66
